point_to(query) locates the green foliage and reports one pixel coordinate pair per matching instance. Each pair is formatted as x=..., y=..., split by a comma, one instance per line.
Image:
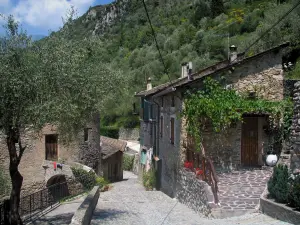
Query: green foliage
x=219, y=108
x=149, y=179
x=216, y=7
x=278, y=185
x=87, y=179
x=101, y=181
x=295, y=192
x=112, y=132
x=128, y=161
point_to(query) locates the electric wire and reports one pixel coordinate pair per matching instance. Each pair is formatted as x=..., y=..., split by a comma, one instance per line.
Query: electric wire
x=156, y=43
x=275, y=24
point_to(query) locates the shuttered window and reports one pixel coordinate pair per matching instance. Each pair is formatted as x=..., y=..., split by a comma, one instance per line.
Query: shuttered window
x=172, y=131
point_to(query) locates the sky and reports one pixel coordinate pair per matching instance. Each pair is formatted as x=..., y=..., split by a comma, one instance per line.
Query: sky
x=38, y=17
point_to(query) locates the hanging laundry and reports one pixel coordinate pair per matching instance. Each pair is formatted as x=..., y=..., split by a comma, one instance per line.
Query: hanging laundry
x=143, y=157
x=149, y=159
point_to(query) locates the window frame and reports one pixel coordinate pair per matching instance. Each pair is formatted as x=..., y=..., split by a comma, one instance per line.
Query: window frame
x=173, y=117
x=51, y=156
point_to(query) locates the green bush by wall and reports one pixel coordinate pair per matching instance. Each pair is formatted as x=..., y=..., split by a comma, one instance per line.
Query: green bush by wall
x=128, y=161
x=278, y=185
x=111, y=132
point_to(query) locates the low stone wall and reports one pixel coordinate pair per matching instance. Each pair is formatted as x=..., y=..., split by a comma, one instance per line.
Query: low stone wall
x=193, y=192
x=278, y=211
x=84, y=213
x=129, y=134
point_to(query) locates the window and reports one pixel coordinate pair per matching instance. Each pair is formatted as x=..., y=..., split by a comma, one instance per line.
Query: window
x=51, y=147
x=161, y=126
x=172, y=138
x=146, y=107
x=173, y=101
x=86, y=134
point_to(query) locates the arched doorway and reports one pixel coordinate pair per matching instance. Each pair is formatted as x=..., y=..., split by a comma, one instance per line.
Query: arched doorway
x=57, y=187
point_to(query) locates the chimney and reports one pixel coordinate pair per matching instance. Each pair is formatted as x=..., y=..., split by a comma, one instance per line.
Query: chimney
x=149, y=85
x=184, y=70
x=233, y=53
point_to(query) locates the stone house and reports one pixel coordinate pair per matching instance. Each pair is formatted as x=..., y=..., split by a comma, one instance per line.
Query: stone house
x=112, y=158
x=44, y=148
x=244, y=145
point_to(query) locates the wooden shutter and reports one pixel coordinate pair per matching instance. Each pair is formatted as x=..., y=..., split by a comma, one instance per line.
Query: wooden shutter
x=172, y=130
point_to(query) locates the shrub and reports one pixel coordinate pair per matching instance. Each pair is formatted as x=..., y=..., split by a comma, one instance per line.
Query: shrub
x=101, y=181
x=128, y=162
x=278, y=185
x=295, y=192
x=149, y=179
x=111, y=132
x=87, y=179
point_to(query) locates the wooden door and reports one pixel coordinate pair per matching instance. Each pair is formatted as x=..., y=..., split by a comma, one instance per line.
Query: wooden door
x=249, y=151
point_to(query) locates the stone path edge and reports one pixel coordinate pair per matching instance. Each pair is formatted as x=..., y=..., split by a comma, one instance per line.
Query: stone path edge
x=278, y=211
x=84, y=213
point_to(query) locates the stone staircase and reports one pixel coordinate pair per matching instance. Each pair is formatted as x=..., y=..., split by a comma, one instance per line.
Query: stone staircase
x=240, y=190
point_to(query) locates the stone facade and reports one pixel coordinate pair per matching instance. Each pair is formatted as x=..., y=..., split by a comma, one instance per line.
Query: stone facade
x=261, y=75
x=295, y=130
x=35, y=168
x=129, y=134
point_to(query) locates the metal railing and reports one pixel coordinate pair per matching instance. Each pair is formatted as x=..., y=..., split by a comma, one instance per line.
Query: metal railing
x=34, y=204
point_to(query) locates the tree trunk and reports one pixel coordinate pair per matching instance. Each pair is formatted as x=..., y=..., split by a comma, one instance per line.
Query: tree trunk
x=16, y=178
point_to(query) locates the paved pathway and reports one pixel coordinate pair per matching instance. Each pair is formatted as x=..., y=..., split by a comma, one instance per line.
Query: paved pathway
x=62, y=215
x=129, y=204
x=240, y=190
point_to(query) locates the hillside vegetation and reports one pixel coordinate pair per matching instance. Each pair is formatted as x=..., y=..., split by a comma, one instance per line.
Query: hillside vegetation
x=199, y=31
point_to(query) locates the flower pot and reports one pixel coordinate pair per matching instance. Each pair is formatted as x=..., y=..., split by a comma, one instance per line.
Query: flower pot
x=271, y=159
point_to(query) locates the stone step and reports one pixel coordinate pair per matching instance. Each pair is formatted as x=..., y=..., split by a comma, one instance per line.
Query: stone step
x=220, y=213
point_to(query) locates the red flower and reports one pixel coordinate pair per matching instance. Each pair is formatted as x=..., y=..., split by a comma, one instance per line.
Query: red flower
x=199, y=171
x=188, y=165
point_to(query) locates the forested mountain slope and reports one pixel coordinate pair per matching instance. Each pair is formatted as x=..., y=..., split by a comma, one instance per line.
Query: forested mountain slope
x=187, y=30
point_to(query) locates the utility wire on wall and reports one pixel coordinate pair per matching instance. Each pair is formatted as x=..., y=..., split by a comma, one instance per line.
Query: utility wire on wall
x=156, y=43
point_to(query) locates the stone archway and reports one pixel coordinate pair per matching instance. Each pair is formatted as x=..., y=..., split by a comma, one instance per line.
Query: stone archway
x=58, y=187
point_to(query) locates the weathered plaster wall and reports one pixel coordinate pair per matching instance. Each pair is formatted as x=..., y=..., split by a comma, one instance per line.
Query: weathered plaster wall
x=169, y=153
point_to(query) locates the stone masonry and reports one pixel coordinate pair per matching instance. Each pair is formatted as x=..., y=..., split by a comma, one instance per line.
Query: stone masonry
x=295, y=130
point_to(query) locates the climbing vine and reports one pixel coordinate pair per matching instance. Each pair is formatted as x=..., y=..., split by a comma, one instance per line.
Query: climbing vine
x=219, y=108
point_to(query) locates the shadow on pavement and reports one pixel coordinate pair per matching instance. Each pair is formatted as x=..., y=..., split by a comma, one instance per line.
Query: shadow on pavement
x=107, y=213
x=54, y=220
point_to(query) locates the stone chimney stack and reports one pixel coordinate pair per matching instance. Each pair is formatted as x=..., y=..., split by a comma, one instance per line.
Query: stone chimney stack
x=184, y=70
x=233, y=53
x=149, y=84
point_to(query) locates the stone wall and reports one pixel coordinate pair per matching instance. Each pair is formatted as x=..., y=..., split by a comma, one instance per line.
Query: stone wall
x=193, y=192
x=129, y=134
x=295, y=130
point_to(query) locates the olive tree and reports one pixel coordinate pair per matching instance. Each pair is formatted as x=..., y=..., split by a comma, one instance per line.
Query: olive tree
x=56, y=81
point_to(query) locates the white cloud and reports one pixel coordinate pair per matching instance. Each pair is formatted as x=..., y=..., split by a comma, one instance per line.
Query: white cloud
x=46, y=14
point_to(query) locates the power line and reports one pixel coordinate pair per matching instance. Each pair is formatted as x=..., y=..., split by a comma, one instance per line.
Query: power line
x=155, y=39
x=267, y=31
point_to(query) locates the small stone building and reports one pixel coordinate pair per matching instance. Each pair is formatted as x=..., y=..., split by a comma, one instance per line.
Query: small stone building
x=112, y=158
x=244, y=145
x=44, y=148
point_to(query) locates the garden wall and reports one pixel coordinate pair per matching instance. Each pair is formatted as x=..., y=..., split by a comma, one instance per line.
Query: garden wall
x=129, y=133
x=194, y=193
